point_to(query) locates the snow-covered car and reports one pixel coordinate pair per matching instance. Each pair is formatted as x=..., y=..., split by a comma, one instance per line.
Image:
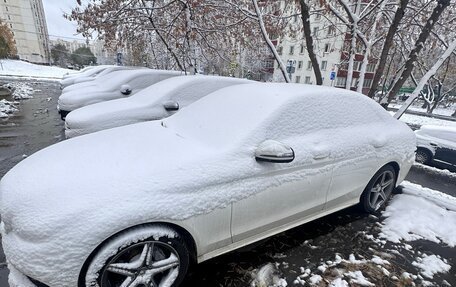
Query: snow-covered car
x=68, y=75
x=113, y=86
x=153, y=103
x=436, y=143
x=139, y=203
x=67, y=81
x=104, y=72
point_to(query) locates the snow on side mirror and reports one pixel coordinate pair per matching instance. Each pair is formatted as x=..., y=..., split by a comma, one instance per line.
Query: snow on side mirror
x=171, y=106
x=125, y=90
x=274, y=151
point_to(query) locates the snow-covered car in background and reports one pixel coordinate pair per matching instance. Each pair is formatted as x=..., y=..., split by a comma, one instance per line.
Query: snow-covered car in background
x=87, y=73
x=68, y=75
x=104, y=72
x=436, y=143
x=153, y=103
x=139, y=203
x=115, y=85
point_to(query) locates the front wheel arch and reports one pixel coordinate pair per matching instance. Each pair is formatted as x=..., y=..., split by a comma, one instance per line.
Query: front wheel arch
x=187, y=237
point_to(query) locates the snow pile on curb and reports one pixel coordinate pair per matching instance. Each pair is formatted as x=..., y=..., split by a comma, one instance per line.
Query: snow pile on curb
x=15, y=68
x=7, y=108
x=422, y=120
x=435, y=170
x=424, y=208
x=21, y=90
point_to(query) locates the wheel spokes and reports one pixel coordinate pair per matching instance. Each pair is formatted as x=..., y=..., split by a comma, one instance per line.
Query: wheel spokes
x=145, y=269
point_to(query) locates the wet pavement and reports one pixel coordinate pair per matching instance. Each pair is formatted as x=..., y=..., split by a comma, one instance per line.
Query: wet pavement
x=37, y=125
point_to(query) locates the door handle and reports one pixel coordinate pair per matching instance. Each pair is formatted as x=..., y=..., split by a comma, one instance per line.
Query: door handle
x=434, y=144
x=321, y=155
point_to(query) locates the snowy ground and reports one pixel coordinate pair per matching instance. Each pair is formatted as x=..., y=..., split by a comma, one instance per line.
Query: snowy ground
x=21, y=69
x=448, y=111
x=416, y=120
x=22, y=91
x=416, y=214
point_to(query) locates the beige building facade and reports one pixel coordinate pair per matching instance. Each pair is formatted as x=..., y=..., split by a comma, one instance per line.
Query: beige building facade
x=27, y=21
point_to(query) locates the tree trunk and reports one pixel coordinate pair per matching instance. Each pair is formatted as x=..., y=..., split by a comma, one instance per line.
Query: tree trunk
x=305, y=16
x=400, y=11
x=425, y=79
x=369, y=44
x=410, y=63
x=269, y=42
x=189, y=38
x=353, y=35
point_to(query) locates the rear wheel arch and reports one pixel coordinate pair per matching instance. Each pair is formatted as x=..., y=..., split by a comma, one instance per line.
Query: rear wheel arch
x=393, y=166
x=187, y=237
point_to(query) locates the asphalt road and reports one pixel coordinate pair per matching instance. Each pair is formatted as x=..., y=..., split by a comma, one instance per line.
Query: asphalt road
x=38, y=125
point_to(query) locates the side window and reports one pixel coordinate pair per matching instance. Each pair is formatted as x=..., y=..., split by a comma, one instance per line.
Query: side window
x=330, y=111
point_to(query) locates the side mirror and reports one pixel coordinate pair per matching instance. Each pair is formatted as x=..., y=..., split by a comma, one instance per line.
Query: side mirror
x=171, y=106
x=274, y=151
x=125, y=90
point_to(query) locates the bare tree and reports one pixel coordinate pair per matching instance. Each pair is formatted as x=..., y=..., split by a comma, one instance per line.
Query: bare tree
x=425, y=32
x=425, y=79
x=305, y=16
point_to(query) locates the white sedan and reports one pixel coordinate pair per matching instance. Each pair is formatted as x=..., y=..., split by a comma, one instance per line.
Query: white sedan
x=153, y=103
x=112, y=86
x=135, y=205
x=91, y=72
x=91, y=79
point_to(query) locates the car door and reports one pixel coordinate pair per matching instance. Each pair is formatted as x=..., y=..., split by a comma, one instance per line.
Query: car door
x=445, y=149
x=353, y=168
x=290, y=193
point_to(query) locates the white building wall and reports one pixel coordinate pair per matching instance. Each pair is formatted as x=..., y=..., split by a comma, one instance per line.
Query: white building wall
x=328, y=44
x=27, y=21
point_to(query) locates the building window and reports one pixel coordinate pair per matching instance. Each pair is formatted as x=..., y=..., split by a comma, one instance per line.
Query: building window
x=6, y=7
x=9, y=18
x=370, y=68
x=331, y=30
x=307, y=80
x=315, y=31
x=280, y=50
x=309, y=65
x=318, y=16
x=327, y=48
x=295, y=18
x=341, y=81
x=291, y=50
x=367, y=83
x=298, y=79
x=301, y=50
x=324, y=65
x=357, y=65
x=300, y=65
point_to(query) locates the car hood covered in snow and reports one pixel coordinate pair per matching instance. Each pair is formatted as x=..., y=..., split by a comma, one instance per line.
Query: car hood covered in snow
x=53, y=201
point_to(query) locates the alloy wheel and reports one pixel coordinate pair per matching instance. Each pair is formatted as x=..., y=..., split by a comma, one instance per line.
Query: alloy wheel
x=381, y=189
x=145, y=264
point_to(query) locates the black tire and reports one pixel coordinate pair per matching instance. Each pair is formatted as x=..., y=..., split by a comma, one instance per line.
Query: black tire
x=378, y=190
x=141, y=255
x=423, y=156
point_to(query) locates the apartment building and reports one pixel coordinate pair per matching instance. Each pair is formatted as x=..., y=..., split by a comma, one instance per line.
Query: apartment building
x=27, y=21
x=331, y=43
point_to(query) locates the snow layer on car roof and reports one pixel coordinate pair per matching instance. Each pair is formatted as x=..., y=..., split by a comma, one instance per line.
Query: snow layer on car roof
x=234, y=112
